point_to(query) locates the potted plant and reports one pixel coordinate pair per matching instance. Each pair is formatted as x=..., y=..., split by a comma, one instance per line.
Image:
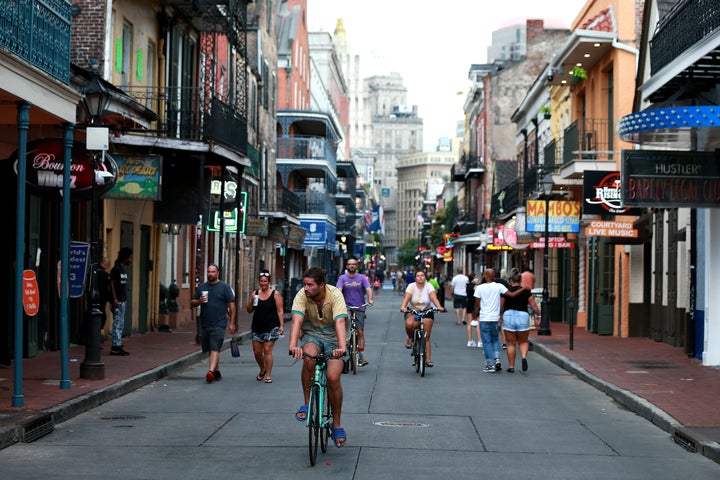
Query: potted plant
x=546, y=112
x=578, y=74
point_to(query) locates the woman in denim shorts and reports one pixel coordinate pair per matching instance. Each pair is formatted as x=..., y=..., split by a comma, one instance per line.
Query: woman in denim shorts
x=268, y=324
x=516, y=321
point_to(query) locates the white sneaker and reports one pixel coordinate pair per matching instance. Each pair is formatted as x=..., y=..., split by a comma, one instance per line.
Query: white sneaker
x=479, y=345
x=472, y=344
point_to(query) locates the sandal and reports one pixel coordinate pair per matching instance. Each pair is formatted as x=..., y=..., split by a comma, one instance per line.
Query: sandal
x=338, y=435
x=429, y=364
x=303, y=410
x=268, y=380
x=408, y=343
x=260, y=376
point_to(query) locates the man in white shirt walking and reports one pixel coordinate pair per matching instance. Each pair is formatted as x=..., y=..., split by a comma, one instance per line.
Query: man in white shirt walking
x=459, y=283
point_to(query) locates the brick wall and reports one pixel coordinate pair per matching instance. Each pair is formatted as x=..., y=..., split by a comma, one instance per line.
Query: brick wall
x=87, y=39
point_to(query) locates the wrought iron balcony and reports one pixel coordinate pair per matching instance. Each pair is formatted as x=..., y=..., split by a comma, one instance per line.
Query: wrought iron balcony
x=39, y=33
x=288, y=202
x=316, y=203
x=469, y=166
x=505, y=201
x=192, y=114
x=587, y=140
x=306, y=149
x=689, y=24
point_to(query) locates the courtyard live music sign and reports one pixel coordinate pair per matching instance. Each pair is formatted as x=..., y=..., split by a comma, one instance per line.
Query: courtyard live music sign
x=659, y=178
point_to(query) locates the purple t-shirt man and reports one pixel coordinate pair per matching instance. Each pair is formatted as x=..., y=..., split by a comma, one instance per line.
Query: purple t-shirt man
x=354, y=287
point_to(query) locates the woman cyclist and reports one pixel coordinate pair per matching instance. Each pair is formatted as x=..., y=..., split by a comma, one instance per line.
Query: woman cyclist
x=420, y=295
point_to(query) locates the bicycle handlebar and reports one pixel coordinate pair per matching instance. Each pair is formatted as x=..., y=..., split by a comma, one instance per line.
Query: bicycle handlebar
x=422, y=313
x=358, y=307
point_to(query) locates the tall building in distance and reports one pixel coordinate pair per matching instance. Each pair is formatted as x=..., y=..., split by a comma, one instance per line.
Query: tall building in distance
x=422, y=177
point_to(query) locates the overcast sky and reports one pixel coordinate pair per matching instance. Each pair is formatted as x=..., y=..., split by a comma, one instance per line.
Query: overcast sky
x=431, y=44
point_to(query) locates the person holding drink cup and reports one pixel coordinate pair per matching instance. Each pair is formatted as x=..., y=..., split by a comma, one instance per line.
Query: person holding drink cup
x=216, y=299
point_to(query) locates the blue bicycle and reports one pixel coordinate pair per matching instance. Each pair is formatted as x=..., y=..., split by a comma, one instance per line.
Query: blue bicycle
x=319, y=416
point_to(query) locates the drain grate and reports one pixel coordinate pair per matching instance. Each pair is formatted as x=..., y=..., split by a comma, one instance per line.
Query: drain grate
x=400, y=424
x=123, y=417
x=652, y=364
x=38, y=428
x=684, y=441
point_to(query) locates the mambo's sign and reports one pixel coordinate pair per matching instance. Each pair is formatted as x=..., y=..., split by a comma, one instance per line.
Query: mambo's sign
x=46, y=164
x=563, y=216
x=601, y=228
x=659, y=178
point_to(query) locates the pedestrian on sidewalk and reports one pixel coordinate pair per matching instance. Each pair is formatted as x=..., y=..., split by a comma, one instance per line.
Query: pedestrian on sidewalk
x=102, y=276
x=216, y=299
x=355, y=286
x=459, y=283
x=118, y=287
x=472, y=324
x=268, y=324
x=516, y=320
x=420, y=295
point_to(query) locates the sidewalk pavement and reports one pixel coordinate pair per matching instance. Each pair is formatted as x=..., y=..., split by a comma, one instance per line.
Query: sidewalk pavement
x=657, y=381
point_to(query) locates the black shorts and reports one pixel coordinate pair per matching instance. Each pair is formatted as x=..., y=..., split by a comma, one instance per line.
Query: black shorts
x=459, y=301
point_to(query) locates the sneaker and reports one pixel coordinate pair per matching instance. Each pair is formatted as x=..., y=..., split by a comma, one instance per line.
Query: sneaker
x=472, y=344
x=504, y=346
x=524, y=365
x=209, y=376
x=362, y=362
x=216, y=375
x=119, y=351
x=510, y=370
x=498, y=366
x=489, y=369
x=479, y=345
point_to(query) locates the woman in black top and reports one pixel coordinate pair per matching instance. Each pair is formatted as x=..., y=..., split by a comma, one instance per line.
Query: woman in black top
x=268, y=324
x=516, y=321
x=470, y=308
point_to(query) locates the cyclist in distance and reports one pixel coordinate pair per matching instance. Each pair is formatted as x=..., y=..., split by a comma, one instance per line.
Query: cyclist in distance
x=319, y=316
x=354, y=287
x=420, y=295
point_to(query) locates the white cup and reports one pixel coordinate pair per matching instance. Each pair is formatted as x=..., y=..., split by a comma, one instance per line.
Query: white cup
x=255, y=300
x=204, y=296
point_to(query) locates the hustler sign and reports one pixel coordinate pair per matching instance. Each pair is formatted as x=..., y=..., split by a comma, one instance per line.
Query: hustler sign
x=658, y=178
x=45, y=169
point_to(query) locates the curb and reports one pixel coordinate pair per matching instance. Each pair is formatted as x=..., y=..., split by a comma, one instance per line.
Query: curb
x=683, y=436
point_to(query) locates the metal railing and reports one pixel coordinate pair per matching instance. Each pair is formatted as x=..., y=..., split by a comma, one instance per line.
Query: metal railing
x=685, y=25
x=189, y=113
x=288, y=202
x=316, y=203
x=307, y=148
x=39, y=33
x=587, y=140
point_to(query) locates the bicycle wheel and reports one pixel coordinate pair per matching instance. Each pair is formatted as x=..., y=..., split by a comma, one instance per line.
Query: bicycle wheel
x=313, y=422
x=416, y=349
x=353, y=351
x=326, y=425
x=421, y=354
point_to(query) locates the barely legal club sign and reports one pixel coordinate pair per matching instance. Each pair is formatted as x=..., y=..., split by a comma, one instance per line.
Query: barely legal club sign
x=659, y=178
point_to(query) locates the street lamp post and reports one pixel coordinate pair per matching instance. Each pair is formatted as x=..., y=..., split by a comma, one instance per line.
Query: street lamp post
x=285, y=227
x=547, y=185
x=95, y=101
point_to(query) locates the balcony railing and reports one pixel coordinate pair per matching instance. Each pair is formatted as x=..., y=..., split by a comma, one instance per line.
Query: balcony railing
x=688, y=23
x=288, y=202
x=316, y=203
x=186, y=113
x=468, y=165
x=586, y=140
x=307, y=148
x=506, y=200
x=39, y=33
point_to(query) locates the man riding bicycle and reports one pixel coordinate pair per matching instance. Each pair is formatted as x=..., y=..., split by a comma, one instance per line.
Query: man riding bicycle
x=354, y=287
x=318, y=325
